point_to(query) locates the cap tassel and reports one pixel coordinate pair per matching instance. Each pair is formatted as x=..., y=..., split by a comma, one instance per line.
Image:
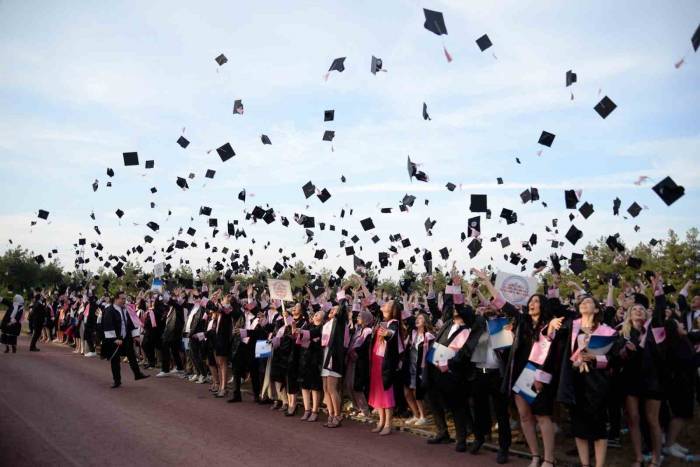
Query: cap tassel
x=494, y=56
x=572, y=95
x=679, y=63
x=447, y=54
x=325, y=77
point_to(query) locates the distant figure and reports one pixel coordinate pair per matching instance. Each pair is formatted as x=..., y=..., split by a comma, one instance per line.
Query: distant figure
x=37, y=318
x=11, y=324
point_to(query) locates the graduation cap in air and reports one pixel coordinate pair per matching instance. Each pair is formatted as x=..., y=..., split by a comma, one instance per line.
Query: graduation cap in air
x=367, y=224
x=474, y=224
x=408, y=200
x=526, y=196
x=338, y=65
x=328, y=115
x=225, y=152
x=616, y=206
x=324, y=195
x=238, y=107
x=376, y=65
x=668, y=191
x=110, y=172
x=265, y=139
x=131, y=158
x=119, y=213
x=570, y=199
x=414, y=172
x=39, y=259
x=425, y=112
x=478, y=203
x=309, y=189
x=634, y=263
x=573, y=235
x=95, y=185
x=546, y=139
x=577, y=265
x=586, y=210
x=570, y=78
x=605, y=107
x=153, y=226
x=210, y=173
x=511, y=217
x=499, y=180
x=474, y=247
x=634, y=209
x=221, y=59
x=43, y=214
x=444, y=253
x=182, y=141
x=213, y=222
x=150, y=164
x=484, y=42
x=191, y=231
x=205, y=211
x=434, y=22
x=451, y=186
x=429, y=224
x=241, y=195
x=328, y=135
x=182, y=183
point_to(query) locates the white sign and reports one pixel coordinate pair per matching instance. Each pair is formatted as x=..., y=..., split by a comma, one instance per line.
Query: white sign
x=279, y=289
x=159, y=269
x=157, y=285
x=453, y=290
x=515, y=289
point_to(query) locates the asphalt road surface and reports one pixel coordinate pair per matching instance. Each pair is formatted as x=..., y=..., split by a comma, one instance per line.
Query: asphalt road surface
x=56, y=408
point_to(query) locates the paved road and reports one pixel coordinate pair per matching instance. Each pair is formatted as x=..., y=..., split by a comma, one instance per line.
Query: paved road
x=56, y=408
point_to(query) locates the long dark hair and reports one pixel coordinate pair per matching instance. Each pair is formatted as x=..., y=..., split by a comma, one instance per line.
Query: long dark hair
x=545, y=310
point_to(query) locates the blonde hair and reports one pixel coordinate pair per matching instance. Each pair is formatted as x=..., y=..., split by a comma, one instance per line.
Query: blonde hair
x=627, y=322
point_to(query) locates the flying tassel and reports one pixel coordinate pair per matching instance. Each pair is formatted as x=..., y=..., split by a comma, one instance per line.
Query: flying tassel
x=494, y=56
x=679, y=63
x=447, y=54
x=325, y=77
x=572, y=95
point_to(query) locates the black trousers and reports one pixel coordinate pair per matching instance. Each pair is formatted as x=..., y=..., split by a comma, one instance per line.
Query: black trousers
x=90, y=337
x=447, y=393
x=127, y=350
x=197, y=354
x=486, y=389
x=35, y=335
x=252, y=369
x=149, y=345
x=167, y=350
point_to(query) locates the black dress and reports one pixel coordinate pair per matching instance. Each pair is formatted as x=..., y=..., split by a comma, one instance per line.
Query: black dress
x=224, y=330
x=280, y=355
x=361, y=381
x=293, y=356
x=310, y=360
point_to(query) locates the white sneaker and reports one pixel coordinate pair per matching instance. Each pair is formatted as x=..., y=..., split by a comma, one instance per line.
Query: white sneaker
x=192, y=378
x=681, y=448
x=174, y=371
x=201, y=379
x=162, y=374
x=410, y=421
x=676, y=452
x=421, y=421
x=91, y=354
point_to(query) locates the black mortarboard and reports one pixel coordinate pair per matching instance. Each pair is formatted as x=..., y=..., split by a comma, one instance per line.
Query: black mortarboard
x=119, y=213
x=546, y=139
x=43, y=214
x=309, y=189
x=444, y=253
x=148, y=239
x=320, y=254
x=405, y=242
x=131, y=158
x=278, y=268
x=225, y=152
x=150, y=164
x=375, y=239
x=328, y=115
x=338, y=65
x=269, y=216
x=110, y=172
x=413, y=171
x=265, y=139
x=221, y=59
x=511, y=217
x=343, y=179
x=367, y=224
x=182, y=141
x=375, y=65
x=605, y=107
x=434, y=22
x=478, y=203
x=429, y=224
x=39, y=259
x=95, y=184
x=349, y=250
x=474, y=247
x=695, y=40
x=213, y=222
x=573, y=235
x=505, y=241
x=577, y=266
x=425, y=112
x=205, y=210
x=570, y=199
x=180, y=244
x=634, y=263
x=570, y=78
x=328, y=135
x=210, y=173
x=238, y=107
x=586, y=210
x=386, y=210
x=484, y=42
x=182, y=183
x=408, y=200
x=324, y=195
x=616, y=206
x=191, y=231
x=668, y=191
x=525, y=196
x=474, y=226
x=451, y=186
x=634, y=209
x=614, y=244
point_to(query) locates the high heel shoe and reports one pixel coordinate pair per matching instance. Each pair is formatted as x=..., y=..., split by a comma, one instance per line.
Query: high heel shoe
x=305, y=417
x=292, y=413
x=535, y=462
x=377, y=429
x=221, y=393
x=313, y=417
x=385, y=431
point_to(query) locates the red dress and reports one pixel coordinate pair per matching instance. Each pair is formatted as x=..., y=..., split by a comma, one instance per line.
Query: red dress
x=379, y=398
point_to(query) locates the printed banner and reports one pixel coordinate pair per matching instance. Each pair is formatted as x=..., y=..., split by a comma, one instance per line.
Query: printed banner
x=279, y=289
x=515, y=289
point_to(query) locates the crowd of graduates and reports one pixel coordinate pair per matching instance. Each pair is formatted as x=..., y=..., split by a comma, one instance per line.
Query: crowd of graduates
x=594, y=367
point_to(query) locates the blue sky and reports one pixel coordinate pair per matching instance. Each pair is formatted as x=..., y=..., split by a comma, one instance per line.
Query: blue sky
x=82, y=83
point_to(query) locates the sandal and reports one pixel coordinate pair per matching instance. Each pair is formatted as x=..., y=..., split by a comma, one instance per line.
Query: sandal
x=385, y=431
x=552, y=463
x=377, y=429
x=535, y=462
x=307, y=414
x=313, y=417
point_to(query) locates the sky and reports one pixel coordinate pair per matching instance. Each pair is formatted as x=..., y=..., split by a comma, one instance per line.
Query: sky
x=83, y=82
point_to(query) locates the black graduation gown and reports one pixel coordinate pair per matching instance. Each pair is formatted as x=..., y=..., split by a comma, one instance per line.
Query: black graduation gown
x=293, y=356
x=174, y=323
x=11, y=331
x=335, y=359
x=392, y=357
x=224, y=331
x=361, y=379
x=280, y=355
x=241, y=351
x=310, y=360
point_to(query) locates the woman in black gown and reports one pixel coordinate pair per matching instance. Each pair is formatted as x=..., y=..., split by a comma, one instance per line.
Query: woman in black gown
x=310, y=360
x=11, y=324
